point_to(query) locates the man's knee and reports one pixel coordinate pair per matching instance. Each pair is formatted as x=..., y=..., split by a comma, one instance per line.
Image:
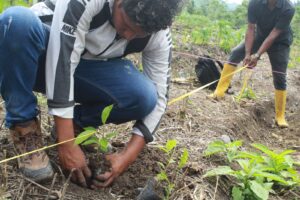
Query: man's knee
x=279, y=81
x=145, y=100
x=237, y=55
x=17, y=23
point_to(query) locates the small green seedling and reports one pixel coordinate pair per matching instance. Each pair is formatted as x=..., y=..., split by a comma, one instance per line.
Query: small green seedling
x=170, y=149
x=87, y=137
x=257, y=173
x=247, y=93
x=229, y=149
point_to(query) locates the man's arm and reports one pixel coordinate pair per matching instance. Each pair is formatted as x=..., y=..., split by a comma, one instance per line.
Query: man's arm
x=156, y=61
x=66, y=43
x=250, y=34
x=282, y=25
x=249, y=40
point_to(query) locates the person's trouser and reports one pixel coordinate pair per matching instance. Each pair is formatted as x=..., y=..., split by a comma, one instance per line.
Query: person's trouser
x=23, y=43
x=278, y=55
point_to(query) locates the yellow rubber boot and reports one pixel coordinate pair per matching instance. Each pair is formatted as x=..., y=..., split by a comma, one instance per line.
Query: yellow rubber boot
x=224, y=82
x=280, y=102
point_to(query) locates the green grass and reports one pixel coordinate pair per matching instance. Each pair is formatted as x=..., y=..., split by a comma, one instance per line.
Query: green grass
x=200, y=30
x=7, y=3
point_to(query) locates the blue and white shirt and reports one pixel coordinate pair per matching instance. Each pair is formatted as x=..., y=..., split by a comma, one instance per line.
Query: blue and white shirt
x=75, y=34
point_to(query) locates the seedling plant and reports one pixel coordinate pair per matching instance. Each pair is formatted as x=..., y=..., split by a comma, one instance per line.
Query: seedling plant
x=88, y=137
x=255, y=174
x=178, y=163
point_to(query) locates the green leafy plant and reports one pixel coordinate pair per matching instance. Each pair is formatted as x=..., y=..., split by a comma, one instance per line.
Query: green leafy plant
x=230, y=150
x=87, y=137
x=255, y=175
x=247, y=93
x=170, y=150
x=7, y=3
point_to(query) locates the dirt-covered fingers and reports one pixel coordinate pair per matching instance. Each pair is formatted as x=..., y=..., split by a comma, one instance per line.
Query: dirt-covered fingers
x=103, y=180
x=81, y=177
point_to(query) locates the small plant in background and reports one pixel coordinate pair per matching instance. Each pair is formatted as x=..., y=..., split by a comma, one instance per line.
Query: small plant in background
x=247, y=93
x=87, y=137
x=255, y=174
x=7, y=3
x=178, y=162
x=230, y=150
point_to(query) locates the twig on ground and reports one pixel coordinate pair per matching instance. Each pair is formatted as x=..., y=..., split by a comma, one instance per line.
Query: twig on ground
x=66, y=184
x=4, y=169
x=39, y=196
x=295, y=194
x=20, y=187
x=57, y=167
x=195, y=193
x=216, y=188
x=35, y=183
x=51, y=187
x=1, y=125
x=184, y=187
x=24, y=190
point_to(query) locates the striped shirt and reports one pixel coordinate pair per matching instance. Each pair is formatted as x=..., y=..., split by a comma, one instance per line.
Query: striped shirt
x=76, y=32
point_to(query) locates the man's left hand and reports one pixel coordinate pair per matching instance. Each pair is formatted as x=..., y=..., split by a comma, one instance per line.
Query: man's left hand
x=119, y=162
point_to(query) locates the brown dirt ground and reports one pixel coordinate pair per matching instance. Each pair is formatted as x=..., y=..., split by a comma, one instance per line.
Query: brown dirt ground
x=193, y=122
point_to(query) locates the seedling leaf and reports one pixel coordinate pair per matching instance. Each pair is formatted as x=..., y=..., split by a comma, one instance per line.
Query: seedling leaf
x=270, y=176
x=105, y=113
x=84, y=136
x=103, y=143
x=259, y=190
x=237, y=194
x=170, y=145
x=162, y=166
x=215, y=147
x=162, y=176
x=92, y=140
x=89, y=128
x=265, y=150
x=183, y=159
x=221, y=170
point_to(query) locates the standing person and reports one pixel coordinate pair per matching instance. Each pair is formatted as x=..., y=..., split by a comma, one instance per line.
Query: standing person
x=268, y=31
x=84, y=57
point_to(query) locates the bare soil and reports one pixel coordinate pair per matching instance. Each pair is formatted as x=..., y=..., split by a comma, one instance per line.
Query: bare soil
x=193, y=122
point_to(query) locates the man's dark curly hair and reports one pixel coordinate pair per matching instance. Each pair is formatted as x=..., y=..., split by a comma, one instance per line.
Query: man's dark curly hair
x=152, y=15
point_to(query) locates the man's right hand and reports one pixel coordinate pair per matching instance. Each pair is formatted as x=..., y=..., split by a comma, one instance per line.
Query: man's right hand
x=71, y=157
x=70, y=154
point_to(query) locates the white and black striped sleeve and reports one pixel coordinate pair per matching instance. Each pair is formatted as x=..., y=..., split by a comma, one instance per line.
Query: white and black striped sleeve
x=156, y=65
x=71, y=22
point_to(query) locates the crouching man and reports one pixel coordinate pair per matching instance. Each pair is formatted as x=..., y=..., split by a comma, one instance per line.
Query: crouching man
x=80, y=59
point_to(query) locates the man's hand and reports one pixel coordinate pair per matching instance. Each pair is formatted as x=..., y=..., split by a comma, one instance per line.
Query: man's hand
x=70, y=155
x=253, y=62
x=119, y=162
x=247, y=60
